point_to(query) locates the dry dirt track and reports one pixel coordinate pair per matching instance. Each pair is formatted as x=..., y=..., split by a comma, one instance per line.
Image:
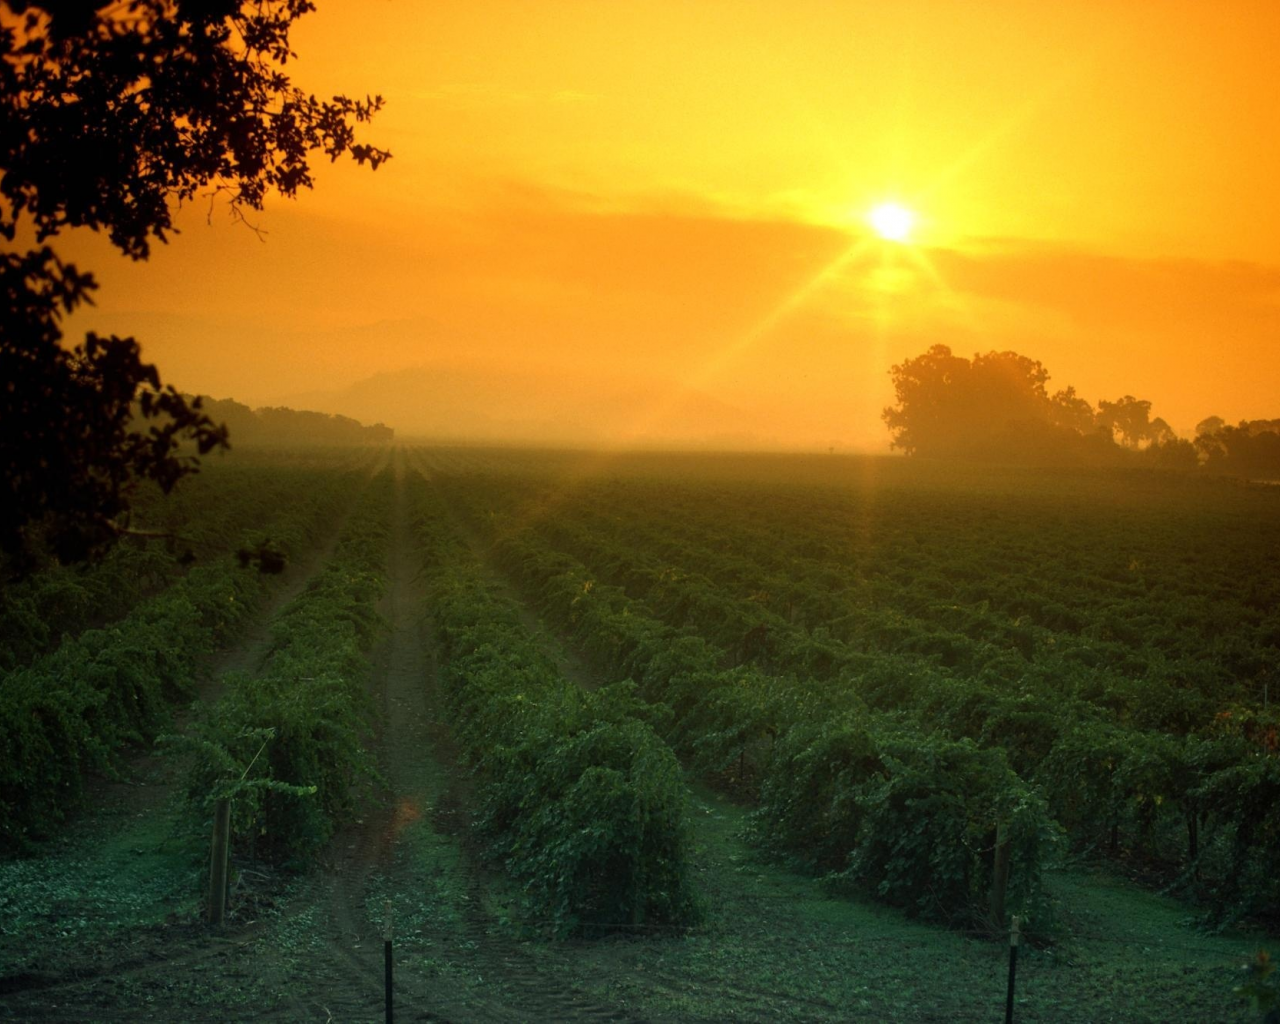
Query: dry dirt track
x=424, y=789
x=353, y=988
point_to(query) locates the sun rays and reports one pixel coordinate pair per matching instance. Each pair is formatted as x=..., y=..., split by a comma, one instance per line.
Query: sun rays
x=885, y=276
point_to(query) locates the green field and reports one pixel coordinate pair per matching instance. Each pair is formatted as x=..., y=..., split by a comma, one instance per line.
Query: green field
x=651, y=737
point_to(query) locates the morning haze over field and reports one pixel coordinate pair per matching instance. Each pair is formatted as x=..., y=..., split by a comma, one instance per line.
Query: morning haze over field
x=650, y=223
x=756, y=511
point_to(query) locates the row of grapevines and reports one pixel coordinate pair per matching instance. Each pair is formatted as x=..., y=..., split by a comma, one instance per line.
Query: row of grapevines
x=977, y=603
x=238, y=504
x=580, y=800
x=1182, y=589
x=70, y=712
x=874, y=802
x=1195, y=798
x=286, y=743
x=1154, y=745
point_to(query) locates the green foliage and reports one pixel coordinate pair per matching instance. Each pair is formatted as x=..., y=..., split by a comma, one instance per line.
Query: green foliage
x=1243, y=801
x=605, y=840
x=226, y=770
x=1118, y=658
x=1261, y=987
x=931, y=822
x=913, y=820
x=810, y=808
x=109, y=122
x=286, y=743
x=579, y=799
x=833, y=781
x=73, y=710
x=46, y=744
x=227, y=506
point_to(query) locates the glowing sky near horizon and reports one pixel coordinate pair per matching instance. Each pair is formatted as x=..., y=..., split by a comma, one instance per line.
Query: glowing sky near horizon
x=667, y=202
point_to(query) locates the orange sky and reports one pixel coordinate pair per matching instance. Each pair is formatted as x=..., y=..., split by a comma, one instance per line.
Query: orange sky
x=645, y=221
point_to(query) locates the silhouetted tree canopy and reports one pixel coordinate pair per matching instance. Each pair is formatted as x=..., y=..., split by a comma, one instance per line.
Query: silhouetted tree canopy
x=1210, y=425
x=110, y=114
x=1251, y=449
x=1129, y=421
x=993, y=406
x=997, y=406
x=1070, y=411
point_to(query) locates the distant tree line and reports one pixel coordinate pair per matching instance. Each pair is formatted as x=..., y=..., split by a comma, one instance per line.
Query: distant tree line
x=998, y=407
x=1250, y=449
x=279, y=426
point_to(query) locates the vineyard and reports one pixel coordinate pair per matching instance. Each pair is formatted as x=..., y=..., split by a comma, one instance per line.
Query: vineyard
x=648, y=737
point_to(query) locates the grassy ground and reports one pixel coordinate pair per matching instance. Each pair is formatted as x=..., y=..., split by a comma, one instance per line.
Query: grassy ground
x=130, y=865
x=106, y=924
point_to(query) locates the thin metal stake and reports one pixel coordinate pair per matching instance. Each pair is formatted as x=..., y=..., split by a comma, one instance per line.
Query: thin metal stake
x=386, y=955
x=218, y=861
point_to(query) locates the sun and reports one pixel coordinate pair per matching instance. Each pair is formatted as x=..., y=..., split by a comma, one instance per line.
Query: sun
x=892, y=221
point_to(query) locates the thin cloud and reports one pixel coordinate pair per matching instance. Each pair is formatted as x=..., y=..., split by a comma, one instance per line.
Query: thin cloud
x=1101, y=291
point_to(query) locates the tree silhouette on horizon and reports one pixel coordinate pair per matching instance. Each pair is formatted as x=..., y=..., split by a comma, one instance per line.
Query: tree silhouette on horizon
x=997, y=406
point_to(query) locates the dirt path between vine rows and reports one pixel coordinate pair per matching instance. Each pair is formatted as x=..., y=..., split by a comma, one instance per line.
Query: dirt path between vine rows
x=411, y=850
x=347, y=980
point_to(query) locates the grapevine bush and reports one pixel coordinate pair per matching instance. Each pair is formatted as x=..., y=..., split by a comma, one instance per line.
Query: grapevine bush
x=579, y=799
x=1108, y=638
x=71, y=712
x=287, y=742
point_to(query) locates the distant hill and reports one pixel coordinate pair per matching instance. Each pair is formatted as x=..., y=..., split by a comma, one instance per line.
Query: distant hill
x=455, y=402
x=276, y=425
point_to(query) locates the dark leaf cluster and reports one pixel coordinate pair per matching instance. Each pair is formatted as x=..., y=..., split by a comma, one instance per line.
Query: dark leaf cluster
x=70, y=447
x=111, y=116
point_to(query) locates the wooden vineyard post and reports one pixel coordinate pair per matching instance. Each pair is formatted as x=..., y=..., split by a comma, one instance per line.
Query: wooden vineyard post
x=218, y=861
x=1014, y=934
x=999, y=876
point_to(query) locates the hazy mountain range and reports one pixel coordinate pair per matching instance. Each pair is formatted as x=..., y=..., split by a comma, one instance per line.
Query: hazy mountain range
x=459, y=403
